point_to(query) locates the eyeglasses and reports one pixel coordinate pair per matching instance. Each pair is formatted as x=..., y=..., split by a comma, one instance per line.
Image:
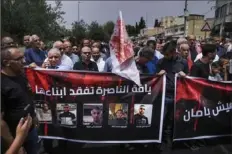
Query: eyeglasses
x=19, y=59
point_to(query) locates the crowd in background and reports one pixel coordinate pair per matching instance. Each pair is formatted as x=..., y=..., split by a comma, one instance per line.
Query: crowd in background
x=211, y=60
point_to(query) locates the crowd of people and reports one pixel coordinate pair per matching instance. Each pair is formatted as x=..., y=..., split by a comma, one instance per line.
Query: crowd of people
x=211, y=60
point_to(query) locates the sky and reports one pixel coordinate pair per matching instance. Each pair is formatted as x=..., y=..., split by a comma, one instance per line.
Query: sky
x=103, y=11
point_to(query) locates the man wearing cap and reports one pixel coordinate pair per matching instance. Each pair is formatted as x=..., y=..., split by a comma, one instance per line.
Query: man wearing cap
x=140, y=118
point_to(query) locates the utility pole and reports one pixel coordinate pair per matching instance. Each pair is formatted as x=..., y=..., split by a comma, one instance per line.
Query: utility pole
x=146, y=20
x=185, y=16
x=78, y=9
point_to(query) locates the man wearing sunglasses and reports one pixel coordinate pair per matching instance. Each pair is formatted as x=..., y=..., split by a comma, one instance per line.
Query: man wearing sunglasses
x=85, y=62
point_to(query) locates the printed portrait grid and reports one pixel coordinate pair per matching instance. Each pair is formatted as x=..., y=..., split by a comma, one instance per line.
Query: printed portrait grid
x=92, y=117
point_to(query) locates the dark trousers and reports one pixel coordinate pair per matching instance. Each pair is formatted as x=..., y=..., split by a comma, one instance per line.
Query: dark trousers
x=48, y=145
x=30, y=144
x=168, y=120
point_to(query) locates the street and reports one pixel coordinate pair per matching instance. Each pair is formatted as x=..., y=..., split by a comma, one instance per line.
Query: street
x=215, y=146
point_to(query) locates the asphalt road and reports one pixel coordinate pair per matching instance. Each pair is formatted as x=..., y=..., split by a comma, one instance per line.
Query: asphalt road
x=213, y=146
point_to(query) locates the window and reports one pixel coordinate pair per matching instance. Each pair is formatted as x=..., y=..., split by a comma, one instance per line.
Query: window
x=230, y=8
x=182, y=29
x=217, y=13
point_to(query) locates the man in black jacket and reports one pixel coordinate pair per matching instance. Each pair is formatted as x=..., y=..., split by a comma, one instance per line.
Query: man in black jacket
x=170, y=65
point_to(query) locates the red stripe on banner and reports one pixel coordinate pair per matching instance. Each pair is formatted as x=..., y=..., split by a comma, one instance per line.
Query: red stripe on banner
x=45, y=129
x=132, y=109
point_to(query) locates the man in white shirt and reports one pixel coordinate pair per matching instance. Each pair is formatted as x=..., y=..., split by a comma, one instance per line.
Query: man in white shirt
x=68, y=52
x=96, y=57
x=54, y=60
x=65, y=60
x=199, y=56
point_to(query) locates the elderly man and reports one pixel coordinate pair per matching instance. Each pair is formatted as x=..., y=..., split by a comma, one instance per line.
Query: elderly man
x=192, y=46
x=85, y=63
x=96, y=57
x=68, y=52
x=54, y=60
x=180, y=41
x=16, y=102
x=102, y=48
x=7, y=41
x=34, y=55
x=65, y=60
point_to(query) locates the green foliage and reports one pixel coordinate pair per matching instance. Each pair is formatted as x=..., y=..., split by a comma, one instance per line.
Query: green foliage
x=79, y=30
x=27, y=17
x=23, y=17
x=95, y=31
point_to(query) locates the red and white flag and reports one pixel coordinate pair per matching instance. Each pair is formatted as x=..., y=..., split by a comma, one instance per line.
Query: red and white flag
x=122, y=53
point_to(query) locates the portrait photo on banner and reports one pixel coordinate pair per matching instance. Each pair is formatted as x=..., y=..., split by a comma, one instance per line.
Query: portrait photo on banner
x=66, y=114
x=142, y=115
x=92, y=115
x=118, y=115
x=43, y=111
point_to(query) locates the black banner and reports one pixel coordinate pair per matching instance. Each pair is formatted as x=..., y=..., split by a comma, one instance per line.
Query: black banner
x=97, y=107
x=202, y=109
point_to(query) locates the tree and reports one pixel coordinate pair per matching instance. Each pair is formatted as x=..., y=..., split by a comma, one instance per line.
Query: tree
x=79, y=30
x=108, y=28
x=137, y=28
x=142, y=23
x=23, y=17
x=95, y=31
x=156, y=23
x=131, y=30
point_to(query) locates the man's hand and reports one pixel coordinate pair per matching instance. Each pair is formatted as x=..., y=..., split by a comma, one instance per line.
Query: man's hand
x=22, y=151
x=23, y=128
x=182, y=74
x=45, y=64
x=33, y=65
x=35, y=121
x=162, y=72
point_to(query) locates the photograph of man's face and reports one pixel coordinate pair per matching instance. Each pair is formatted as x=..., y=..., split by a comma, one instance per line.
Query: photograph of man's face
x=119, y=114
x=45, y=107
x=142, y=114
x=142, y=110
x=43, y=112
x=66, y=108
x=66, y=114
x=92, y=114
x=96, y=114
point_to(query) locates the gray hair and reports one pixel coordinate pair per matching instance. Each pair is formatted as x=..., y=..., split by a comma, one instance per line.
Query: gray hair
x=55, y=44
x=181, y=40
x=54, y=50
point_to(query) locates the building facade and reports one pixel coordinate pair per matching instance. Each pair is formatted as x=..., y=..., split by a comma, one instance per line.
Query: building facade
x=194, y=25
x=223, y=18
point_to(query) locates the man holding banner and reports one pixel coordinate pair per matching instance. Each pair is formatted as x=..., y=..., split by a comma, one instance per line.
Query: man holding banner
x=170, y=65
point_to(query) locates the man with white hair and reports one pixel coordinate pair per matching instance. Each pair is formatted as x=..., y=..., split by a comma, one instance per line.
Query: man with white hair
x=180, y=41
x=54, y=60
x=34, y=55
x=65, y=60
